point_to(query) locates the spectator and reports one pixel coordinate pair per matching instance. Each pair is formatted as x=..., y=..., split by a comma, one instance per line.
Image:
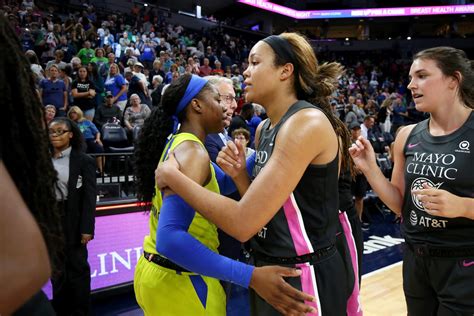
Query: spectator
x=107, y=112
x=76, y=64
x=242, y=136
x=218, y=71
x=137, y=86
x=148, y=55
x=366, y=126
x=101, y=61
x=68, y=50
x=156, y=71
x=36, y=68
x=210, y=56
x=86, y=53
x=83, y=92
x=359, y=110
x=194, y=66
x=98, y=81
x=384, y=116
x=158, y=85
x=205, y=69
x=255, y=121
x=53, y=91
x=169, y=75
x=399, y=115
x=127, y=59
x=350, y=116
x=91, y=135
x=225, y=60
x=116, y=84
x=241, y=120
x=135, y=114
x=58, y=60
x=49, y=113
x=167, y=62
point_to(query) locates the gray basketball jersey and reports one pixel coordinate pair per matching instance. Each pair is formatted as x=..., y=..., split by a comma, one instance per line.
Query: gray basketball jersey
x=308, y=219
x=443, y=162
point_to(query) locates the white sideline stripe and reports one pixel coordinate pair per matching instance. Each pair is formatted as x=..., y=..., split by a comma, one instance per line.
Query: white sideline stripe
x=381, y=269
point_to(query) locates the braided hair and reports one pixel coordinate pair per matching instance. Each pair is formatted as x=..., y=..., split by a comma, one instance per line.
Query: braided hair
x=25, y=142
x=154, y=133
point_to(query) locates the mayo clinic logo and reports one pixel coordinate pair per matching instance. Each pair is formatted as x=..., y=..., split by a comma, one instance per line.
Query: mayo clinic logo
x=464, y=147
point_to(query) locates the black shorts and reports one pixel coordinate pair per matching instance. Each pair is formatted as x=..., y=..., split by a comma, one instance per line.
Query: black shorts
x=438, y=286
x=93, y=147
x=331, y=287
x=359, y=186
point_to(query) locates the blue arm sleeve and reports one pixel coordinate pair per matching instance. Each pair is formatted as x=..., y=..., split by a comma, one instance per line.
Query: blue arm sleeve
x=174, y=242
x=251, y=163
x=226, y=184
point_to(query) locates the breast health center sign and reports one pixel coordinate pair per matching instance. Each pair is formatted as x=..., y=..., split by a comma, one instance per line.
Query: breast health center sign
x=115, y=249
x=360, y=13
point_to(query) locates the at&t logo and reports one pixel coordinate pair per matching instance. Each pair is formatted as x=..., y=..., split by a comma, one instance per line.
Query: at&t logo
x=413, y=218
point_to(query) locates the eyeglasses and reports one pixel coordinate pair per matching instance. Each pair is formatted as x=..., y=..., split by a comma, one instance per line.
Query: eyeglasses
x=58, y=132
x=227, y=98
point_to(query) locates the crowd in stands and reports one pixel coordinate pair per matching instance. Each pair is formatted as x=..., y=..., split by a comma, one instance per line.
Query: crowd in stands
x=114, y=68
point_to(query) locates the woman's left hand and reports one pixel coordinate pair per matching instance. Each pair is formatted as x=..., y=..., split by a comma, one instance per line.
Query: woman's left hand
x=85, y=238
x=441, y=202
x=163, y=169
x=231, y=159
x=99, y=142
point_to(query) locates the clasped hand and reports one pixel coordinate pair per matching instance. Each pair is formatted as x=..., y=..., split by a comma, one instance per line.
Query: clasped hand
x=441, y=203
x=231, y=159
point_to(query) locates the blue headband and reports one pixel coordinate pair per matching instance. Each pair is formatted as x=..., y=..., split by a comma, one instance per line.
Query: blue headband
x=194, y=87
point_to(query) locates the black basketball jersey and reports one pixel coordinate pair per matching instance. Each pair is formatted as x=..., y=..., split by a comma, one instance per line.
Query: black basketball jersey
x=308, y=219
x=443, y=162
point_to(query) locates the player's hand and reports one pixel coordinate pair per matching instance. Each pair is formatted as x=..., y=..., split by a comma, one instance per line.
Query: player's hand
x=163, y=170
x=363, y=154
x=231, y=159
x=441, y=203
x=269, y=284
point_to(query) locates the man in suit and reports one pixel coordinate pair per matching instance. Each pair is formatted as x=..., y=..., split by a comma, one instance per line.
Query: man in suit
x=215, y=142
x=76, y=193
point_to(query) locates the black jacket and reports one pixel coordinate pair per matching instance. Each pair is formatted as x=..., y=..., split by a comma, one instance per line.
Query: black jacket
x=81, y=201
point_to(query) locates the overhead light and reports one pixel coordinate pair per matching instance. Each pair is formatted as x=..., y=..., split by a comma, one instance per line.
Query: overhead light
x=145, y=4
x=389, y=38
x=347, y=39
x=409, y=38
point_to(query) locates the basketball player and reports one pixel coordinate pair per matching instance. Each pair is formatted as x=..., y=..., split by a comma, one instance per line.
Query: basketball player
x=290, y=210
x=432, y=185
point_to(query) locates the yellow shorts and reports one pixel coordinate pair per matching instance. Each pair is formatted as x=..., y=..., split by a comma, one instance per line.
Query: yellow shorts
x=162, y=291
